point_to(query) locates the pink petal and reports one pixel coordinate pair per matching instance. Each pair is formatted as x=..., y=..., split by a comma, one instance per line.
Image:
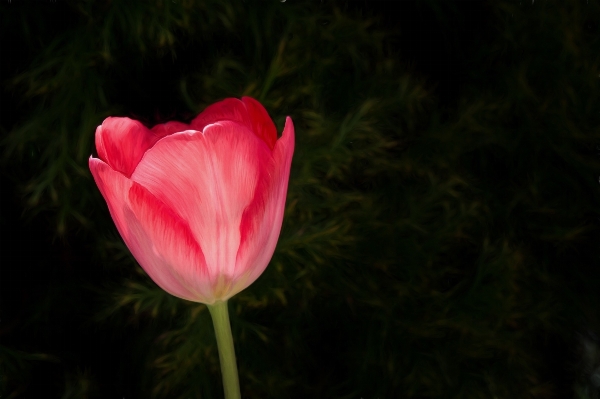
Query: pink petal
x=262, y=220
x=168, y=128
x=209, y=179
x=165, y=247
x=114, y=188
x=247, y=112
x=121, y=143
x=158, y=239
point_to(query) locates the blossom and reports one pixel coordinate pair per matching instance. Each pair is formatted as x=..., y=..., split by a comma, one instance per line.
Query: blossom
x=199, y=206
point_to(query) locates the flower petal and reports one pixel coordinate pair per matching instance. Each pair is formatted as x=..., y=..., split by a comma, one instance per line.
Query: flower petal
x=262, y=124
x=159, y=240
x=262, y=220
x=165, y=129
x=165, y=247
x=247, y=112
x=230, y=109
x=114, y=188
x=121, y=143
x=208, y=179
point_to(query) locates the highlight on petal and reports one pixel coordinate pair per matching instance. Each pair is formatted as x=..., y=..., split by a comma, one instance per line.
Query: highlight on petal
x=121, y=143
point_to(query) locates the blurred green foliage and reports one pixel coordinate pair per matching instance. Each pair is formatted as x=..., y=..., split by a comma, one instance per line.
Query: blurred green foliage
x=430, y=249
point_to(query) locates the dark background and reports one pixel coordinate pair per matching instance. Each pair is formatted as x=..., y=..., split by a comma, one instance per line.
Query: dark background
x=441, y=238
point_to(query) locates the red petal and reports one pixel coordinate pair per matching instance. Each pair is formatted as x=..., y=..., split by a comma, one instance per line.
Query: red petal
x=121, y=143
x=247, y=112
x=262, y=220
x=262, y=124
x=230, y=109
x=114, y=188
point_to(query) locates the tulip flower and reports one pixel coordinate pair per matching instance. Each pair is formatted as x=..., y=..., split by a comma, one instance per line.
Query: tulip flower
x=199, y=206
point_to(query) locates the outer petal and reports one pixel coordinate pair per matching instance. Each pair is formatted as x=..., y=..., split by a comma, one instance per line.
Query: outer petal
x=262, y=220
x=114, y=188
x=262, y=124
x=158, y=239
x=247, y=112
x=165, y=247
x=121, y=143
x=209, y=179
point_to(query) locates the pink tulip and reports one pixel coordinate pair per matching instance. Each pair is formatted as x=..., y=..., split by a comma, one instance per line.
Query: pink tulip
x=200, y=206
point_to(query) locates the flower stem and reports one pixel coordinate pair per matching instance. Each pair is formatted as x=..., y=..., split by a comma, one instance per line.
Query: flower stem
x=220, y=317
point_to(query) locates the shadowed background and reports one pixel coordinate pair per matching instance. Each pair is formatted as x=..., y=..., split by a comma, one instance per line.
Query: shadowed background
x=441, y=236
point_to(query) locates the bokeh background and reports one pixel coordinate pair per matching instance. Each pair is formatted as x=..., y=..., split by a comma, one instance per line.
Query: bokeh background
x=442, y=230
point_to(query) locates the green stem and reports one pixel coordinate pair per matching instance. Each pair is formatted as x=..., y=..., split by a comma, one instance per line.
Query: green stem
x=220, y=317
